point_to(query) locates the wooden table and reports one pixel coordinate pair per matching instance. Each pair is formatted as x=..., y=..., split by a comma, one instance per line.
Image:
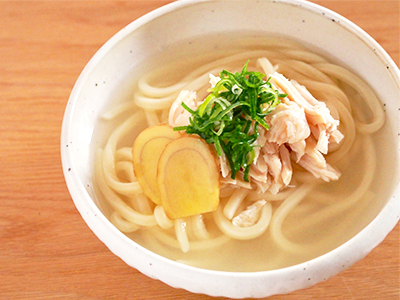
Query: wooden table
x=46, y=249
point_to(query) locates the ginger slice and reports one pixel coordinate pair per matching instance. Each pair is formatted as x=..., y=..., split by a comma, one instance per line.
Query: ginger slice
x=188, y=178
x=146, y=152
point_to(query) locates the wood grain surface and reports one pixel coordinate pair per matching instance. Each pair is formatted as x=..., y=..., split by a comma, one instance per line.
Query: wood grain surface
x=46, y=249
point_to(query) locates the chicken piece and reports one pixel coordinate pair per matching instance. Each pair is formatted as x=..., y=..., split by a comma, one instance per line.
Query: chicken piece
x=250, y=216
x=316, y=111
x=298, y=148
x=326, y=128
x=312, y=152
x=224, y=165
x=327, y=173
x=271, y=155
x=261, y=140
x=178, y=116
x=336, y=137
x=259, y=170
x=276, y=186
x=314, y=162
x=320, y=134
x=238, y=181
x=294, y=95
x=288, y=124
x=274, y=164
x=213, y=80
x=262, y=187
x=287, y=171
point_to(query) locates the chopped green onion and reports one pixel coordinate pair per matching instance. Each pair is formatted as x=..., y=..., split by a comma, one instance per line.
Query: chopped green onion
x=235, y=104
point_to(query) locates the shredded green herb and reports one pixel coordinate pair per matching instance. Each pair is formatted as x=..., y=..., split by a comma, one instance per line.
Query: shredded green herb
x=226, y=116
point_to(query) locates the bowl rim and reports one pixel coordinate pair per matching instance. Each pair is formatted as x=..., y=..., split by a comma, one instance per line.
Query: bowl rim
x=98, y=223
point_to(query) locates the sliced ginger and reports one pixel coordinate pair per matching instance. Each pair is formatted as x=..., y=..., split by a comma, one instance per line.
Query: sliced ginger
x=146, y=152
x=188, y=178
x=180, y=173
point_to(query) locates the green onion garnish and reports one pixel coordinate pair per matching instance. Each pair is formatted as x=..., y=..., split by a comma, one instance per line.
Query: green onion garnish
x=226, y=116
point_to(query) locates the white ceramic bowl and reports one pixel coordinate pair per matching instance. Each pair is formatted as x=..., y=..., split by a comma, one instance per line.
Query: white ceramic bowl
x=308, y=22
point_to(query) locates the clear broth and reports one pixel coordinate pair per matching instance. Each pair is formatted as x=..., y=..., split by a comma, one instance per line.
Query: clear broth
x=260, y=254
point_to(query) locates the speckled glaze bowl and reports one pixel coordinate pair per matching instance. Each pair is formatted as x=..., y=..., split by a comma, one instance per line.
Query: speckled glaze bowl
x=312, y=24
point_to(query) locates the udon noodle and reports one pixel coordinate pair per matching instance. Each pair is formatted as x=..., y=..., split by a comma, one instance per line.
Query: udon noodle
x=349, y=99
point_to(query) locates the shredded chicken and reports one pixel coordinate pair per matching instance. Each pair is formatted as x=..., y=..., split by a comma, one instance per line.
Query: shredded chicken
x=288, y=123
x=301, y=128
x=214, y=80
x=224, y=166
x=286, y=173
x=250, y=215
x=178, y=116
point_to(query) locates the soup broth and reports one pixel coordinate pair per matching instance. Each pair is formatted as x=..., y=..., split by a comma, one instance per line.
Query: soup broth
x=327, y=216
